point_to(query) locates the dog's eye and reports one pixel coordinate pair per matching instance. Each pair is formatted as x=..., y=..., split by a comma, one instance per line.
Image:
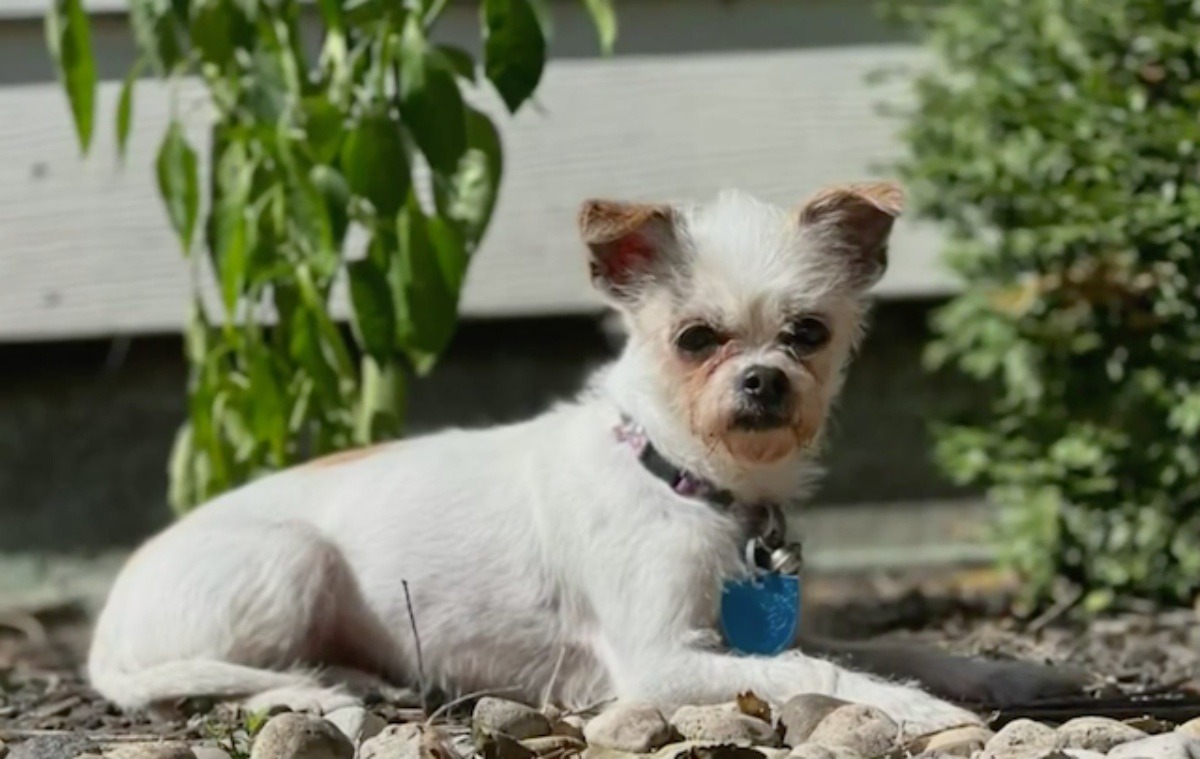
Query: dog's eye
x=806, y=335
x=698, y=339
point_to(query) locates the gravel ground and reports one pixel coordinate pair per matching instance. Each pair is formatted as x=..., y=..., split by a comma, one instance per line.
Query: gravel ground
x=42, y=689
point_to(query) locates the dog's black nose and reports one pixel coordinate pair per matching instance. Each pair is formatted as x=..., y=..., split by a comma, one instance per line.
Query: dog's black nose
x=766, y=386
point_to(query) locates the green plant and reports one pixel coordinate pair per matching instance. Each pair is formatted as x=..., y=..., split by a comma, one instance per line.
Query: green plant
x=1056, y=143
x=308, y=150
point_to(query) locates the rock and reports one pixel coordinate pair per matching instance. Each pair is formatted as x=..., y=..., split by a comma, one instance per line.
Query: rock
x=210, y=752
x=1082, y=753
x=1174, y=745
x=356, y=723
x=3, y=749
x=292, y=735
x=1190, y=728
x=394, y=742
x=562, y=744
x=818, y=751
x=958, y=741
x=801, y=715
x=1020, y=738
x=163, y=750
x=52, y=747
x=863, y=729
x=1099, y=734
x=637, y=728
x=722, y=724
x=498, y=715
x=708, y=750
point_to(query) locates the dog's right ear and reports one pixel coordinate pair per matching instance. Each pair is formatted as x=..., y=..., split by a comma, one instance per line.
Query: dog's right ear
x=627, y=242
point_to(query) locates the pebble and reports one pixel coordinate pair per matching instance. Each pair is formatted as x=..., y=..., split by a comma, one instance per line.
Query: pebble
x=723, y=724
x=801, y=715
x=164, y=750
x=1099, y=734
x=863, y=729
x=1082, y=753
x=210, y=752
x=356, y=723
x=958, y=741
x=1174, y=745
x=708, y=750
x=394, y=742
x=561, y=744
x=1020, y=738
x=637, y=728
x=299, y=736
x=498, y=715
x=819, y=751
x=52, y=747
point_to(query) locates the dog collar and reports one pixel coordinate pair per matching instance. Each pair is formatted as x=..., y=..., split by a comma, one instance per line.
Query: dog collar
x=765, y=524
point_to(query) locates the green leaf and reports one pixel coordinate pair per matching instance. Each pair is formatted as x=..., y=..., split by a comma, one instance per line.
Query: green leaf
x=335, y=193
x=459, y=60
x=381, y=405
x=430, y=101
x=267, y=408
x=426, y=279
x=374, y=315
x=375, y=164
x=156, y=25
x=233, y=238
x=178, y=183
x=220, y=28
x=125, y=107
x=470, y=196
x=69, y=37
x=181, y=480
x=514, y=51
x=324, y=126
x=604, y=17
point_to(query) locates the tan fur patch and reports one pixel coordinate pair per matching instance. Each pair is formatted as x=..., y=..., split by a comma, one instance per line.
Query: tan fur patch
x=342, y=457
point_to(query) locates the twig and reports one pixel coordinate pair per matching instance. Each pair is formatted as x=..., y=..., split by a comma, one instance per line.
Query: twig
x=1054, y=613
x=412, y=619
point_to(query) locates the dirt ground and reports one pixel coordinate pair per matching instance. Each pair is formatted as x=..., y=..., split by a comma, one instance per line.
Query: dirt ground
x=42, y=689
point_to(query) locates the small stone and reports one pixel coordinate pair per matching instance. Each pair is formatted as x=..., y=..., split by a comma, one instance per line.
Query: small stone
x=723, y=724
x=292, y=735
x=210, y=752
x=394, y=742
x=958, y=741
x=163, y=750
x=1099, y=734
x=637, y=728
x=863, y=729
x=818, y=751
x=1190, y=728
x=1174, y=745
x=356, y=723
x=52, y=747
x=801, y=715
x=708, y=750
x=554, y=744
x=498, y=715
x=1082, y=753
x=1019, y=738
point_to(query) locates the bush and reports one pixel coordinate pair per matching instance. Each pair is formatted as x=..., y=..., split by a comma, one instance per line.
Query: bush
x=305, y=149
x=1056, y=141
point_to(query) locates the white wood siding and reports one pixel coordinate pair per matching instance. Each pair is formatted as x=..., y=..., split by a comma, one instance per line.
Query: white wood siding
x=766, y=95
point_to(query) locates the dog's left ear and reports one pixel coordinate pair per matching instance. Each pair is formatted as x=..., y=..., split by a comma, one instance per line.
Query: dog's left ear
x=628, y=243
x=855, y=222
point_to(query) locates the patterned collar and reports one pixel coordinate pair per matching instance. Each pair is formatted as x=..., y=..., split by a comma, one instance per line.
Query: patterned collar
x=762, y=520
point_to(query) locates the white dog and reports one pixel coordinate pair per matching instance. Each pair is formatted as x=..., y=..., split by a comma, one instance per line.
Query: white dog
x=546, y=556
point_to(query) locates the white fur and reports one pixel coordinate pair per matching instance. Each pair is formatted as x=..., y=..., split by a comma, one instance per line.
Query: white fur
x=543, y=560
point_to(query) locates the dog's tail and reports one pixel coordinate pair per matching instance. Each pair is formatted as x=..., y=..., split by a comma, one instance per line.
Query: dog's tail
x=175, y=680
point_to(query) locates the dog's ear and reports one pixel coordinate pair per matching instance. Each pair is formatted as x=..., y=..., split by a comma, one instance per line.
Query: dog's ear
x=627, y=242
x=855, y=222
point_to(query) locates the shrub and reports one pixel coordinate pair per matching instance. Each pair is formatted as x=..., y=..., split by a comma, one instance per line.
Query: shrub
x=1056, y=141
x=306, y=149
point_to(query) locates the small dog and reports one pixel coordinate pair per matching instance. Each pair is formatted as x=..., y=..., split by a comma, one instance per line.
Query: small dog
x=547, y=559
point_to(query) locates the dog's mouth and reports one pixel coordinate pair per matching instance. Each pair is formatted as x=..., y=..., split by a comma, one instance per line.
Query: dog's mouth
x=758, y=420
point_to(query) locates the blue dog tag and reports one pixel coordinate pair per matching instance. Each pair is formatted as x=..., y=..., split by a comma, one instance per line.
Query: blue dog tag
x=760, y=614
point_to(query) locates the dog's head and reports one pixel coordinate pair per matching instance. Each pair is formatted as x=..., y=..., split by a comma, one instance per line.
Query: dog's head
x=741, y=315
